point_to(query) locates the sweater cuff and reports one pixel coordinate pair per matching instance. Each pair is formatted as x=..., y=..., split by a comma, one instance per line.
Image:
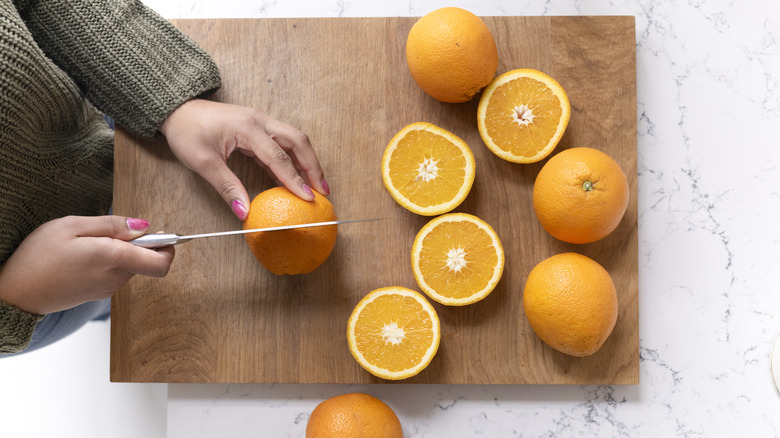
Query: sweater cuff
x=16, y=328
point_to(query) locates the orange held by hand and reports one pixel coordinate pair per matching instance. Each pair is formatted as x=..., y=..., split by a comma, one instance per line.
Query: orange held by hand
x=297, y=251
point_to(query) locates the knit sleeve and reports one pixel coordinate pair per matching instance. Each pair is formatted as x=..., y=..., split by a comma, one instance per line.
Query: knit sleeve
x=16, y=328
x=131, y=63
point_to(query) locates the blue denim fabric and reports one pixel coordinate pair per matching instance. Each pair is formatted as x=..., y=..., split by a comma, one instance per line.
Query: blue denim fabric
x=109, y=121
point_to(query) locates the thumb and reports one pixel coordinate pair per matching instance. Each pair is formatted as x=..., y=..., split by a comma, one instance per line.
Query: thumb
x=116, y=227
x=229, y=187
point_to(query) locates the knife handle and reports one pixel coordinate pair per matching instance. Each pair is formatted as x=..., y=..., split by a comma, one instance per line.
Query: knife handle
x=158, y=240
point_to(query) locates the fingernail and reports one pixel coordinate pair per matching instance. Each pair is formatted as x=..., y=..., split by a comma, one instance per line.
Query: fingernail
x=137, y=224
x=325, y=186
x=239, y=209
x=308, y=191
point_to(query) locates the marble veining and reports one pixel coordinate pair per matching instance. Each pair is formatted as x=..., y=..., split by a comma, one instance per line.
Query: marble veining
x=708, y=114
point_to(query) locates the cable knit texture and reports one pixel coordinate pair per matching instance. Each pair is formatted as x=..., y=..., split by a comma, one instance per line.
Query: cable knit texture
x=62, y=64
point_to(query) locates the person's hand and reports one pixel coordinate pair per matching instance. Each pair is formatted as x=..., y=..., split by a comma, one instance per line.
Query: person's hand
x=203, y=134
x=73, y=260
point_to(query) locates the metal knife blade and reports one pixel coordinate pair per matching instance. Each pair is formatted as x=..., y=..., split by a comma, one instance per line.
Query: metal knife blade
x=160, y=240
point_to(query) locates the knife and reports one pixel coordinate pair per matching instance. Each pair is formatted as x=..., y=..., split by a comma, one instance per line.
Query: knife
x=159, y=240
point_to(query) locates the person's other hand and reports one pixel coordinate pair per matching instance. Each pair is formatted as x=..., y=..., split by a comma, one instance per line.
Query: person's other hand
x=203, y=134
x=69, y=261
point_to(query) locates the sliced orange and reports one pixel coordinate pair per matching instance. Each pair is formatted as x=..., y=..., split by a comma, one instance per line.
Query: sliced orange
x=393, y=333
x=522, y=115
x=457, y=259
x=427, y=169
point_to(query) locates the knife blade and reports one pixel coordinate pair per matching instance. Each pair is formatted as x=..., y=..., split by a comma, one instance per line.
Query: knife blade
x=159, y=240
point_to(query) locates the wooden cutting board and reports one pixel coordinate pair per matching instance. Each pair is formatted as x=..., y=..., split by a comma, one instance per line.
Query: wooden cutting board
x=219, y=316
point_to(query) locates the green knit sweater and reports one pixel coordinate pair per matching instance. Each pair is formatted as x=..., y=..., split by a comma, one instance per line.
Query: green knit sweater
x=62, y=64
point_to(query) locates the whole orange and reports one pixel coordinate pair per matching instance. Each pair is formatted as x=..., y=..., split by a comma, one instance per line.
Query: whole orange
x=451, y=54
x=571, y=303
x=580, y=195
x=296, y=251
x=353, y=415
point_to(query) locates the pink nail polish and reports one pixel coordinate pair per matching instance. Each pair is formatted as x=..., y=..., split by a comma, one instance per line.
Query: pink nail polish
x=137, y=224
x=239, y=209
x=325, y=186
x=308, y=191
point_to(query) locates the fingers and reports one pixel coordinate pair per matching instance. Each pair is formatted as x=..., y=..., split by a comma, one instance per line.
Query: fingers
x=108, y=234
x=277, y=163
x=262, y=165
x=116, y=227
x=298, y=148
x=203, y=134
x=146, y=262
x=229, y=187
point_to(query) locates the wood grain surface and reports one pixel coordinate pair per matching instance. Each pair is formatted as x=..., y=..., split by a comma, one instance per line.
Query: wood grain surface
x=219, y=316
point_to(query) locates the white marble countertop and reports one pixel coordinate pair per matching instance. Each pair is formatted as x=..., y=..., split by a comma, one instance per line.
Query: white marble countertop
x=709, y=205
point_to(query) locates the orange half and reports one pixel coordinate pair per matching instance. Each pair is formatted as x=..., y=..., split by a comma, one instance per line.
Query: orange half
x=393, y=333
x=457, y=259
x=427, y=169
x=522, y=115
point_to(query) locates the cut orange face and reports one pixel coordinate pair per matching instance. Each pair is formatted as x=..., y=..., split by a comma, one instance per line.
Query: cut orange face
x=393, y=333
x=457, y=259
x=522, y=115
x=427, y=169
